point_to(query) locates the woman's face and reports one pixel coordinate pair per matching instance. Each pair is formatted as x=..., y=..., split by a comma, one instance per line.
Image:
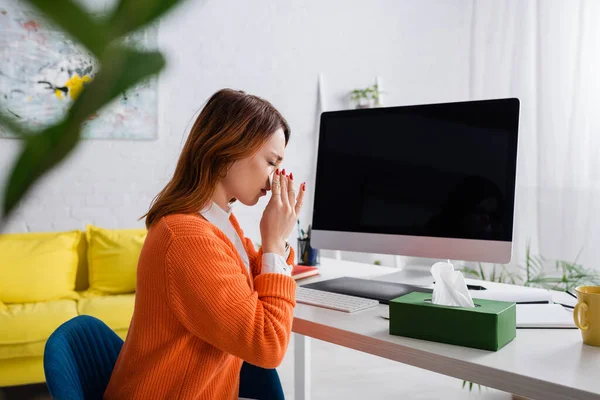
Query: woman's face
x=250, y=178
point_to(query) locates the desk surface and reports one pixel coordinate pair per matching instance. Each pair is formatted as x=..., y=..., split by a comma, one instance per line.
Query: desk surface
x=538, y=363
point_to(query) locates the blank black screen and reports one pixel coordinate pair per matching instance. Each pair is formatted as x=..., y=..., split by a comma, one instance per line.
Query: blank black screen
x=439, y=170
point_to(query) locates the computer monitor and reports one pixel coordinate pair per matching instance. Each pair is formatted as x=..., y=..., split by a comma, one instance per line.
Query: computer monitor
x=433, y=180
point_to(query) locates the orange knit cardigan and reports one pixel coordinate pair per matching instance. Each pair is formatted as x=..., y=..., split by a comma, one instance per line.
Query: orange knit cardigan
x=198, y=315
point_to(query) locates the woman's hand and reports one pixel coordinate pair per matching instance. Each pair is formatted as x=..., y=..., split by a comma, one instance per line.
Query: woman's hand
x=281, y=213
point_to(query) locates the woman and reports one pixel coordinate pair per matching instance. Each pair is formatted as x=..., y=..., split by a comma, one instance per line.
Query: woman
x=206, y=300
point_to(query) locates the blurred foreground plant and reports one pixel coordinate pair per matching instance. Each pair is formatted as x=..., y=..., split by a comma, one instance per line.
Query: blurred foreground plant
x=121, y=67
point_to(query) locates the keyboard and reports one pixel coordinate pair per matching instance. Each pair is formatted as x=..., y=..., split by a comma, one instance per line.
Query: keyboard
x=333, y=301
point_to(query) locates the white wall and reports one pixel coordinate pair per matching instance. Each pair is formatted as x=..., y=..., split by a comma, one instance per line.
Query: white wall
x=274, y=49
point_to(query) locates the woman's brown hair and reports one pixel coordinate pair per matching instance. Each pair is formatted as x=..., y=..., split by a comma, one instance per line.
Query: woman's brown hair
x=232, y=125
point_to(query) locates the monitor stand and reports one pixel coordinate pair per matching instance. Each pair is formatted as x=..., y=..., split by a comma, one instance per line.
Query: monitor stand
x=416, y=276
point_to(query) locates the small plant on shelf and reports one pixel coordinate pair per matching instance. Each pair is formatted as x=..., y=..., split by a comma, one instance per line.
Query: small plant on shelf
x=367, y=97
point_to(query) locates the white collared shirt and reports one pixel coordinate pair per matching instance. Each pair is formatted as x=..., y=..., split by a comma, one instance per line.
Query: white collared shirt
x=271, y=262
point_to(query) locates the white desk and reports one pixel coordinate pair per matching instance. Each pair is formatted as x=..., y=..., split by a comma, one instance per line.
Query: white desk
x=540, y=364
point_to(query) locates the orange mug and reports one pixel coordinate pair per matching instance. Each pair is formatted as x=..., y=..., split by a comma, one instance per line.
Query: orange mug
x=587, y=314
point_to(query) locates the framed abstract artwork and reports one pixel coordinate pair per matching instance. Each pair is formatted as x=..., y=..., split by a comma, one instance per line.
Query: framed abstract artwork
x=42, y=71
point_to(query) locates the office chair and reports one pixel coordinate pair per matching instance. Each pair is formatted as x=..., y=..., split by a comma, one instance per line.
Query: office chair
x=81, y=353
x=79, y=358
x=260, y=383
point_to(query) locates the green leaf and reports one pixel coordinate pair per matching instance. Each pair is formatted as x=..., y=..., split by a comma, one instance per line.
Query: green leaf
x=41, y=152
x=508, y=276
x=550, y=279
x=75, y=21
x=468, y=271
x=11, y=125
x=124, y=68
x=577, y=256
x=481, y=271
x=470, y=386
x=528, y=261
x=538, y=264
x=130, y=15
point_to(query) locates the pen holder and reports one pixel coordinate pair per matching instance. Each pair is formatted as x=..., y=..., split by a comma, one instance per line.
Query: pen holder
x=306, y=254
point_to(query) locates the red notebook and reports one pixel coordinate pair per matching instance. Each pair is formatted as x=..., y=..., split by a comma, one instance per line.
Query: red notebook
x=304, y=271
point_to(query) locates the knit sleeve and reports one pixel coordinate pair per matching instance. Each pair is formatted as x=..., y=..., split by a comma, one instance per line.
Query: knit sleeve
x=255, y=257
x=210, y=295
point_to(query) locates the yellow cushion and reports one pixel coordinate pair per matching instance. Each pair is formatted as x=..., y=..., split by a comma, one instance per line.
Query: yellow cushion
x=116, y=311
x=3, y=306
x=82, y=269
x=25, y=327
x=36, y=267
x=113, y=256
x=21, y=371
x=21, y=350
x=82, y=281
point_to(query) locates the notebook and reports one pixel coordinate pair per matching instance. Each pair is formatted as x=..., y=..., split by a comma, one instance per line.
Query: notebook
x=512, y=293
x=544, y=316
x=304, y=271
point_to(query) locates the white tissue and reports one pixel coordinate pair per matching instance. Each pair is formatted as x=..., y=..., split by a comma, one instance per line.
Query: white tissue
x=450, y=288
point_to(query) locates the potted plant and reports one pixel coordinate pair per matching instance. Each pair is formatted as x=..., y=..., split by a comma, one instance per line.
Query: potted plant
x=366, y=98
x=568, y=275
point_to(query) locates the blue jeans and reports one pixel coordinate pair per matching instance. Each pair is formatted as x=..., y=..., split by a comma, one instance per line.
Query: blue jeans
x=259, y=383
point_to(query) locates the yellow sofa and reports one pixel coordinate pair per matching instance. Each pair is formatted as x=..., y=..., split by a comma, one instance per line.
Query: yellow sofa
x=48, y=278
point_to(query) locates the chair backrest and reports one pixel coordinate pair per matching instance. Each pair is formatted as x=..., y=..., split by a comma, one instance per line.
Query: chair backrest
x=79, y=358
x=260, y=383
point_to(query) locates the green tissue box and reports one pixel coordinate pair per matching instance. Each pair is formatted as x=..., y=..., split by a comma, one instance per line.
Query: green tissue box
x=489, y=326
